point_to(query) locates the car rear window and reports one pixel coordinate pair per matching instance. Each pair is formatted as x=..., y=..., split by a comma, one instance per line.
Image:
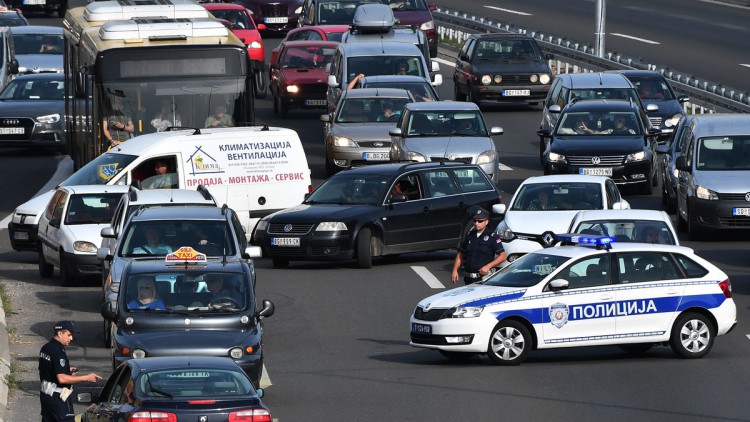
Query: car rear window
x=213, y=238
x=92, y=208
x=193, y=382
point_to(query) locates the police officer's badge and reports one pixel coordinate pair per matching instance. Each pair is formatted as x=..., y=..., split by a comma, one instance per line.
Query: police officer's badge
x=62, y=363
x=558, y=314
x=486, y=238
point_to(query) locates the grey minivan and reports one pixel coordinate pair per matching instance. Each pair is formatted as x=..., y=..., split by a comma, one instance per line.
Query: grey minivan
x=713, y=186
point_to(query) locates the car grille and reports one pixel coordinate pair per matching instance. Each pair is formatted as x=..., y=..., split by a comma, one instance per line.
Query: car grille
x=431, y=315
x=739, y=221
x=274, y=10
x=297, y=229
x=420, y=338
x=732, y=196
x=371, y=144
x=655, y=121
x=466, y=160
x=312, y=90
x=304, y=253
x=585, y=160
x=514, y=80
x=7, y=123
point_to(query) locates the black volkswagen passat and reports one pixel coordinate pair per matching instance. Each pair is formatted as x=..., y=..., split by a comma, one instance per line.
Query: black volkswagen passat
x=603, y=138
x=175, y=388
x=378, y=210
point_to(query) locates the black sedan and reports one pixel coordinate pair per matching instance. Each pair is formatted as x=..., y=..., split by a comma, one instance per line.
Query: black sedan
x=603, y=138
x=188, y=305
x=32, y=111
x=175, y=388
x=501, y=67
x=378, y=210
x=653, y=88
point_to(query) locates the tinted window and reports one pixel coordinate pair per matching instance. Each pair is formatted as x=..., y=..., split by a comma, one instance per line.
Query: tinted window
x=652, y=88
x=588, y=272
x=33, y=89
x=405, y=5
x=691, y=268
x=446, y=123
x=472, y=180
x=369, y=110
x=439, y=183
x=193, y=382
x=345, y=188
x=92, y=208
x=638, y=267
x=310, y=57
x=212, y=238
x=507, y=50
x=384, y=65
x=604, y=94
x=38, y=43
x=337, y=12
x=723, y=153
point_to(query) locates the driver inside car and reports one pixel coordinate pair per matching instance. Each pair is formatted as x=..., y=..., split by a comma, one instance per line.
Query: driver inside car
x=221, y=293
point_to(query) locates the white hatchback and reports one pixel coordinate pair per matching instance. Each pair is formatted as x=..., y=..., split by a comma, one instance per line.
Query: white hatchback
x=545, y=205
x=69, y=230
x=634, y=295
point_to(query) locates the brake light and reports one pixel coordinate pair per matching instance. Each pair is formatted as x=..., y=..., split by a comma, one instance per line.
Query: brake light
x=152, y=417
x=726, y=288
x=201, y=401
x=250, y=415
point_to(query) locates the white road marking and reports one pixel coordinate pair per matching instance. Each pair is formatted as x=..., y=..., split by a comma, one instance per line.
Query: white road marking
x=745, y=64
x=504, y=167
x=748, y=336
x=265, y=380
x=443, y=61
x=515, y=12
x=428, y=278
x=4, y=222
x=630, y=37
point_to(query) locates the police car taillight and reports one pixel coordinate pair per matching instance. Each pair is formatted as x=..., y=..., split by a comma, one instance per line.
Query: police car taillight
x=726, y=288
x=250, y=415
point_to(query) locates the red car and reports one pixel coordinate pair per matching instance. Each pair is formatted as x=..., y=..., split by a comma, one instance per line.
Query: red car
x=298, y=77
x=312, y=33
x=243, y=26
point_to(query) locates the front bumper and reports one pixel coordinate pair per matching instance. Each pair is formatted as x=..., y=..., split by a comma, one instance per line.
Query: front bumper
x=82, y=265
x=537, y=93
x=345, y=157
x=719, y=214
x=276, y=27
x=474, y=334
x=316, y=101
x=327, y=246
x=624, y=174
x=23, y=237
x=43, y=135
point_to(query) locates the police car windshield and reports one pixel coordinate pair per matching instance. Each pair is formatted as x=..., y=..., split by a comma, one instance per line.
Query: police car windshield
x=101, y=170
x=558, y=196
x=191, y=289
x=527, y=271
x=348, y=189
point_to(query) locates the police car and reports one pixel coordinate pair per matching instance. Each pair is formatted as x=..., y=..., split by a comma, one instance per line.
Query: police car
x=633, y=295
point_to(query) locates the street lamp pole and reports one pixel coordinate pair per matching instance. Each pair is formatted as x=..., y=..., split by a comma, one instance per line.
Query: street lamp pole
x=601, y=11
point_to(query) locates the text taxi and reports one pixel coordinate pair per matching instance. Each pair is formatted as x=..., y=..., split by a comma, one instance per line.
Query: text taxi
x=633, y=295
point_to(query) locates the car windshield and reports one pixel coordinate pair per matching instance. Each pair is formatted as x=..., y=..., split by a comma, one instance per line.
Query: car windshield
x=161, y=237
x=420, y=91
x=92, y=208
x=401, y=5
x=183, y=287
x=507, y=50
x=558, y=196
x=652, y=88
x=33, y=89
x=337, y=12
x=238, y=19
x=370, y=110
x=307, y=57
x=385, y=65
x=527, y=270
x=599, y=124
x=350, y=189
x=334, y=36
x=446, y=123
x=647, y=231
x=12, y=19
x=192, y=382
x=604, y=94
x=723, y=153
x=38, y=43
x=101, y=170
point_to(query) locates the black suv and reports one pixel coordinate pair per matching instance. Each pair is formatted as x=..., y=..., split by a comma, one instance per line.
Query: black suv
x=603, y=138
x=379, y=210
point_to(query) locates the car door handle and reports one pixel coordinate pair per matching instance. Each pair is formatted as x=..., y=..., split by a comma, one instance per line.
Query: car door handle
x=462, y=204
x=672, y=291
x=607, y=296
x=426, y=210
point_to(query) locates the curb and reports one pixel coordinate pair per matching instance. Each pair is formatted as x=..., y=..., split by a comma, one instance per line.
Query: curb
x=4, y=364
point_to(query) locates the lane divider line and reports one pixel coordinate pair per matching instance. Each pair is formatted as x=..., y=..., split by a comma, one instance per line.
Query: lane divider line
x=515, y=12
x=630, y=37
x=428, y=277
x=443, y=61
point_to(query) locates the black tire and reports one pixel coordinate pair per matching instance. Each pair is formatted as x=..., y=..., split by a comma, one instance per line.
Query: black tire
x=331, y=168
x=470, y=97
x=693, y=230
x=364, y=248
x=107, y=334
x=457, y=356
x=261, y=83
x=275, y=106
x=509, y=343
x=692, y=336
x=457, y=94
x=646, y=188
x=280, y=262
x=637, y=348
x=655, y=180
x=45, y=269
x=282, y=108
x=681, y=222
x=669, y=204
x=542, y=148
x=65, y=277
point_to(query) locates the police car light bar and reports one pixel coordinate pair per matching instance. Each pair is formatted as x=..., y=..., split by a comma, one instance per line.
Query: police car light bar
x=577, y=239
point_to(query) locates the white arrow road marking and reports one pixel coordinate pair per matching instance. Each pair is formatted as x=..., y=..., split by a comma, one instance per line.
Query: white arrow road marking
x=428, y=278
x=515, y=12
x=745, y=64
x=265, y=380
x=630, y=37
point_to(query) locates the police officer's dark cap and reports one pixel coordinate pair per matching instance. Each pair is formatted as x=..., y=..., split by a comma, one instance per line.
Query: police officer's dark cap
x=481, y=214
x=66, y=325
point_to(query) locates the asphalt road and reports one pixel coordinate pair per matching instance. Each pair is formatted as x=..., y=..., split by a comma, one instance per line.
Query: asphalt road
x=337, y=347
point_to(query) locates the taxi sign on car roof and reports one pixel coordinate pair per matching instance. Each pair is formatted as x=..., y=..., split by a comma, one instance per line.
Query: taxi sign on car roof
x=185, y=254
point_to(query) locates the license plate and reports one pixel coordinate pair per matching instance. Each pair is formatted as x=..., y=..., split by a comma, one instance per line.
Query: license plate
x=21, y=236
x=11, y=131
x=285, y=241
x=315, y=102
x=741, y=211
x=376, y=156
x=276, y=20
x=34, y=2
x=596, y=171
x=421, y=328
x=516, y=92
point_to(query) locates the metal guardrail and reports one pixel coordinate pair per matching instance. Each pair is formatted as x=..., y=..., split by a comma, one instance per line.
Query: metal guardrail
x=574, y=56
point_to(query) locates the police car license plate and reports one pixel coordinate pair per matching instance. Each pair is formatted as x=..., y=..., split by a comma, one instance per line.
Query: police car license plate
x=741, y=211
x=285, y=241
x=596, y=171
x=277, y=20
x=21, y=236
x=421, y=328
x=516, y=93
x=376, y=156
x=11, y=131
x=315, y=102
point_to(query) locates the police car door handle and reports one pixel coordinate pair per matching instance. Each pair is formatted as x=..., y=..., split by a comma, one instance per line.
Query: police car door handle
x=607, y=296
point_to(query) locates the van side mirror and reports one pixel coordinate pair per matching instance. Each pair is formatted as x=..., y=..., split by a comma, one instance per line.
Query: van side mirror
x=437, y=79
x=435, y=67
x=682, y=164
x=332, y=82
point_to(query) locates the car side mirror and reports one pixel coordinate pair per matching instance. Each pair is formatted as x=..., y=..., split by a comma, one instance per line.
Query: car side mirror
x=662, y=149
x=54, y=222
x=432, y=7
x=306, y=21
x=332, y=82
x=261, y=27
x=496, y=130
x=681, y=163
x=108, y=233
x=621, y=205
x=398, y=198
x=558, y=284
x=275, y=66
x=252, y=252
x=435, y=67
x=499, y=209
x=88, y=395
x=267, y=310
x=108, y=312
x=651, y=108
x=326, y=118
x=259, y=391
x=13, y=67
x=103, y=254
x=396, y=132
x=554, y=108
x=549, y=56
x=544, y=133
x=683, y=99
x=437, y=80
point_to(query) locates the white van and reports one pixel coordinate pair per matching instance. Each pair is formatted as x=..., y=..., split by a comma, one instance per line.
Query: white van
x=253, y=170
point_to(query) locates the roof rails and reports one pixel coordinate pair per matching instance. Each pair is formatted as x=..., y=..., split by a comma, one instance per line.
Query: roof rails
x=205, y=193
x=224, y=209
x=103, y=11
x=141, y=29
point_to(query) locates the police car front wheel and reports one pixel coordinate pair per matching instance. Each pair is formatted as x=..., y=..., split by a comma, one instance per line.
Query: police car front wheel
x=692, y=336
x=509, y=343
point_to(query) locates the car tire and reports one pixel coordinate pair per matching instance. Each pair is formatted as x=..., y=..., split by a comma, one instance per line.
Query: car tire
x=280, y=262
x=275, y=106
x=636, y=348
x=65, y=276
x=280, y=106
x=364, y=248
x=542, y=148
x=509, y=343
x=646, y=188
x=655, y=180
x=331, y=168
x=457, y=356
x=260, y=87
x=45, y=269
x=669, y=204
x=457, y=94
x=107, y=334
x=692, y=336
x=470, y=97
x=693, y=230
x=681, y=223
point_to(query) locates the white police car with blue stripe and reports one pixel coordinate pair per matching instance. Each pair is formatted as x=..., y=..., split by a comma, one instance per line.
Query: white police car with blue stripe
x=634, y=295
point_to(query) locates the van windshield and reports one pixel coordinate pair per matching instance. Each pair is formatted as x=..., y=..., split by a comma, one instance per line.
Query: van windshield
x=101, y=170
x=723, y=153
x=385, y=65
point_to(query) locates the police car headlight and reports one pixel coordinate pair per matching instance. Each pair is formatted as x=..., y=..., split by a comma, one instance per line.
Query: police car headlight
x=255, y=44
x=486, y=157
x=467, y=312
x=82, y=246
x=486, y=79
x=262, y=225
x=49, y=118
x=236, y=353
x=330, y=226
x=544, y=78
x=415, y=156
x=139, y=354
x=555, y=157
x=341, y=141
x=504, y=232
x=427, y=26
x=292, y=89
x=638, y=156
x=707, y=194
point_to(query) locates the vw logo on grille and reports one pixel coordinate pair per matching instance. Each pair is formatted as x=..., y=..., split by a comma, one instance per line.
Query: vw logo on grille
x=596, y=160
x=11, y=122
x=747, y=197
x=288, y=228
x=378, y=144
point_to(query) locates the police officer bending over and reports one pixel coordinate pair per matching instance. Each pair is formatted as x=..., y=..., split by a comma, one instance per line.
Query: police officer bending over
x=57, y=376
x=480, y=250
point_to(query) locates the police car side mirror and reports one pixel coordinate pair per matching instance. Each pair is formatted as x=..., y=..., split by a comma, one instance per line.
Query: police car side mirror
x=252, y=252
x=498, y=209
x=267, y=310
x=103, y=253
x=558, y=284
x=108, y=233
x=108, y=312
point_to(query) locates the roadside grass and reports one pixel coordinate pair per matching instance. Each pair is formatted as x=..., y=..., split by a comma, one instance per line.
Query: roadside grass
x=12, y=379
x=5, y=299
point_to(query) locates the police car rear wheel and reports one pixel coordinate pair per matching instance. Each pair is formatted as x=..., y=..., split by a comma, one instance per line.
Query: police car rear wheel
x=457, y=356
x=509, y=344
x=692, y=336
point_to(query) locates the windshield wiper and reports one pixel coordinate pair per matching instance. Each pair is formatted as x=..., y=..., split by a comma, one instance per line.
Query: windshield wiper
x=156, y=390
